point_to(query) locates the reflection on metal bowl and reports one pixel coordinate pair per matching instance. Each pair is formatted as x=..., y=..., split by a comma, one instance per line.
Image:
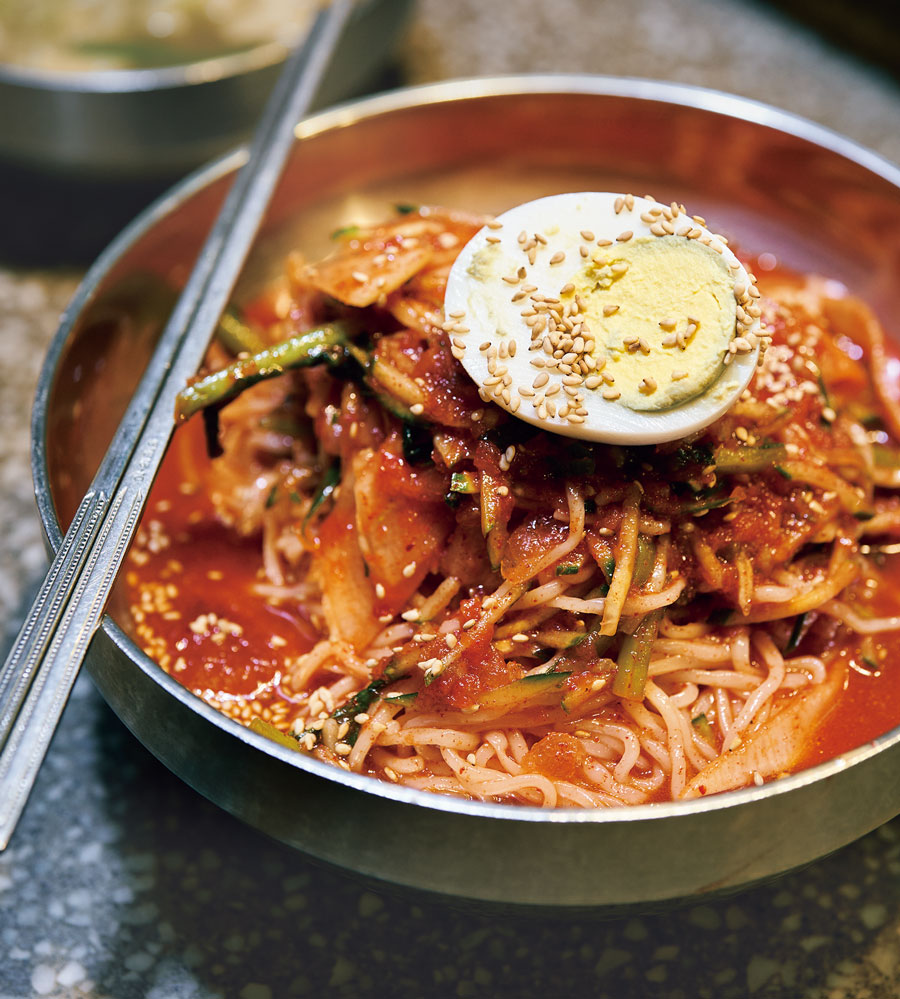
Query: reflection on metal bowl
x=165, y=121
x=816, y=201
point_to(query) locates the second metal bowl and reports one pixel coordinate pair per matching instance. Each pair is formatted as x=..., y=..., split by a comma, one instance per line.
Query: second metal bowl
x=142, y=123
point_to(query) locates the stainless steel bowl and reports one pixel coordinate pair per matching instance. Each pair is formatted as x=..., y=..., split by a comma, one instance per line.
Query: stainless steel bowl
x=815, y=200
x=148, y=122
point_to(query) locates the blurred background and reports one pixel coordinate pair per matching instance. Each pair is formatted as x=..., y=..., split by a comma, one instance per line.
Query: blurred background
x=121, y=882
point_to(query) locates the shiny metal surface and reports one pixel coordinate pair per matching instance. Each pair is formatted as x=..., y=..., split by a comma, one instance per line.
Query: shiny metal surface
x=149, y=122
x=770, y=181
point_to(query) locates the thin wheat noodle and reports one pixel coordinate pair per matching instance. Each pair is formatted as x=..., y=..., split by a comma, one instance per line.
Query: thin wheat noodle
x=631, y=749
x=399, y=764
x=775, y=662
x=685, y=697
x=598, y=774
x=487, y=784
x=306, y=666
x=579, y=796
x=465, y=742
x=640, y=604
x=724, y=714
x=499, y=743
x=721, y=679
x=770, y=594
x=740, y=651
x=681, y=746
x=861, y=625
x=576, y=532
x=670, y=630
x=813, y=666
x=712, y=652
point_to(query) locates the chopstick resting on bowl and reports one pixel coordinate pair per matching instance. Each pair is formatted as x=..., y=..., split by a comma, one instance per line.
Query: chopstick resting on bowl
x=38, y=674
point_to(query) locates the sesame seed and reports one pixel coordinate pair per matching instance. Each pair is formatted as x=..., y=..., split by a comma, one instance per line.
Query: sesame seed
x=417, y=409
x=379, y=591
x=409, y=569
x=360, y=277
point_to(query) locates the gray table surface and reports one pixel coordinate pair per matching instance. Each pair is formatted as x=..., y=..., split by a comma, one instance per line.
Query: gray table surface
x=121, y=882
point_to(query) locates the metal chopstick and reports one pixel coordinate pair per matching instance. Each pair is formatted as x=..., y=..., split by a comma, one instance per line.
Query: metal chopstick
x=38, y=674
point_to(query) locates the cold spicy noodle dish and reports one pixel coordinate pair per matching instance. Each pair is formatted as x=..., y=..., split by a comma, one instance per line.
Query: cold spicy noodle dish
x=403, y=538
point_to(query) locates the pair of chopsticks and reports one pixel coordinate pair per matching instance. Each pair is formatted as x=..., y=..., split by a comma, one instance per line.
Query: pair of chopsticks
x=38, y=674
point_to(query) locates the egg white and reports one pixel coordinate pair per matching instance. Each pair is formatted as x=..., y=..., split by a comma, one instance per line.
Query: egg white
x=483, y=310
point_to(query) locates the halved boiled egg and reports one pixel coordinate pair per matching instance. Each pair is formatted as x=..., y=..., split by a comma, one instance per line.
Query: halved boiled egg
x=605, y=316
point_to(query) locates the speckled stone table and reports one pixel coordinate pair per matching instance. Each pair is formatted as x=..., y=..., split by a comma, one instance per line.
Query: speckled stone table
x=122, y=883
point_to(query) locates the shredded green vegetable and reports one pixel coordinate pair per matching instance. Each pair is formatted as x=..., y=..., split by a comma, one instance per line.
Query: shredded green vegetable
x=633, y=663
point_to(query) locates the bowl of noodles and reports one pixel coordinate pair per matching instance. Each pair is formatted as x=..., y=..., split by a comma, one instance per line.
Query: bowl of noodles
x=377, y=616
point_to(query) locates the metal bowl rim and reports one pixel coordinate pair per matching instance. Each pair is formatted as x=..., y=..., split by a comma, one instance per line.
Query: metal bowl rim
x=347, y=114
x=116, y=81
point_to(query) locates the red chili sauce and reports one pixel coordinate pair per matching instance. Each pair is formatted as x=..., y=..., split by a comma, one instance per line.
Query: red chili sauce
x=190, y=585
